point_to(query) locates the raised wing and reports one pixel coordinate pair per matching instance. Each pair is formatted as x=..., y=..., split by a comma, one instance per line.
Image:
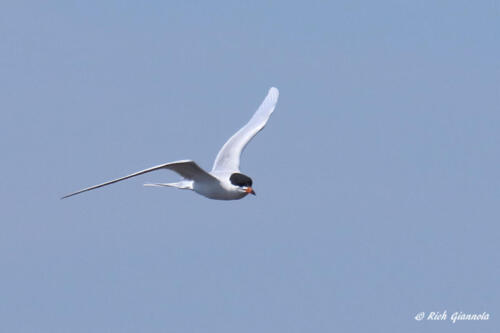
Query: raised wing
x=187, y=169
x=228, y=158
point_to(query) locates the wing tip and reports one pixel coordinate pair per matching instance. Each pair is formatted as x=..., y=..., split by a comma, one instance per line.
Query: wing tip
x=70, y=195
x=272, y=95
x=274, y=91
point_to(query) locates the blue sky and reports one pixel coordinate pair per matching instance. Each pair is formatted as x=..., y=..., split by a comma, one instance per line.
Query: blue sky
x=376, y=177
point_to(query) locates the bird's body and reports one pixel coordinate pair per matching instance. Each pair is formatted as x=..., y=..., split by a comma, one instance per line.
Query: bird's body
x=219, y=188
x=224, y=182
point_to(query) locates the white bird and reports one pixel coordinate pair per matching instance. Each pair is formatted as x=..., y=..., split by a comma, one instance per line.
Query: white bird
x=225, y=181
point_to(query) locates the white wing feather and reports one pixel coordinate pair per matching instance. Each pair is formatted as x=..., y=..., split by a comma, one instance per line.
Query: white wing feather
x=228, y=158
x=187, y=169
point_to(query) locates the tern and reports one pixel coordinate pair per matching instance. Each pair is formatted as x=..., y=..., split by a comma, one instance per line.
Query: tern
x=225, y=181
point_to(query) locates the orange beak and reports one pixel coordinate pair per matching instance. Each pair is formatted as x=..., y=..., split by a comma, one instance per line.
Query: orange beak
x=250, y=190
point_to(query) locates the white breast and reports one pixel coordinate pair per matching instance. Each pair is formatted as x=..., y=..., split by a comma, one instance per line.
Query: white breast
x=220, y=190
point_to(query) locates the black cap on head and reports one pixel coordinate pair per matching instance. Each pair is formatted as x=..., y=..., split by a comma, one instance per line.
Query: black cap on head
x=239, y=179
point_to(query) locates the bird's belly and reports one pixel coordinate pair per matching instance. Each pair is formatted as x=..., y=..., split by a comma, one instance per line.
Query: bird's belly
x=217, y=192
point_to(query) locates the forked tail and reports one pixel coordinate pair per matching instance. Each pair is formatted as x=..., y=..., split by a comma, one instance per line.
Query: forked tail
x=183, y=184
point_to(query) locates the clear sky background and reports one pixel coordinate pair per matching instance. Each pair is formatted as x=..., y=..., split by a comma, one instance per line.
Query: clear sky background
x=377, y=177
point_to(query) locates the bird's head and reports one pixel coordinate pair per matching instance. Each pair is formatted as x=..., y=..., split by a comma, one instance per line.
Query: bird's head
x=243, y=183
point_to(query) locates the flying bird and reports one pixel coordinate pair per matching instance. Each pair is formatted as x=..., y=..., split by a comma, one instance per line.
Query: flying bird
x=225, y=181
